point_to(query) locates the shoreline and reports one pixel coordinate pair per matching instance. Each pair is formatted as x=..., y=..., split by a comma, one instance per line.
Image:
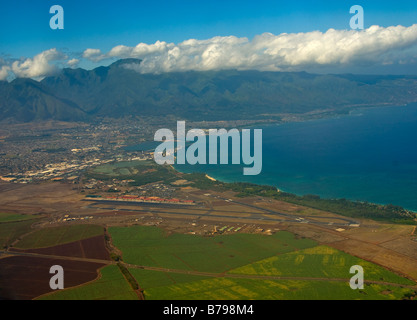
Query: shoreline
x=296, y=194
x=354, y=198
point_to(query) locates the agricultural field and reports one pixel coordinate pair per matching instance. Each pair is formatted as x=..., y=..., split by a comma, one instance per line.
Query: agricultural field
x=90, y=248
x=12, y=231
x=194, y=267
x=151, y=246
x=256, y=289
x=11, y=217
x=28, y=277
x=49, y=237
x=318, y=262
x=235, y=266
x=111, y=285
x=155, y=279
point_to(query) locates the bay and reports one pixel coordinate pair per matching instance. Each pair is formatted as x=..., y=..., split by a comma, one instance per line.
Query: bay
x=369, y=155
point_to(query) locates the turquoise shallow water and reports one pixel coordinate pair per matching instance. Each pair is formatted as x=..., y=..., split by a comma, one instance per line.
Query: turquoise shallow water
x=370, y=155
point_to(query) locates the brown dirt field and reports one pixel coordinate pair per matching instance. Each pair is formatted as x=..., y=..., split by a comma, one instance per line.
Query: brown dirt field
x=278, y=206
x=405, y=246
x=45, y=192
x=294, y=209
x=380, y=233
x=5, y=186
x=91, y=248
x=46, y=197
x=221, y=203
x=385, y=257
x=397, y=255
x=316, y=233
x=25, y=278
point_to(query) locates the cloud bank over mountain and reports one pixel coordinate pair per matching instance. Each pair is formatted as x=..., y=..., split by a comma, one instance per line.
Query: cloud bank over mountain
x=38, y=66
x=395, y=45
x=284, y=52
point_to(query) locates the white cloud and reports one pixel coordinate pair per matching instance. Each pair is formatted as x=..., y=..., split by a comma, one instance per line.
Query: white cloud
x=348, y=49
x=73, y=63
x=375, y=45
x=4, y=72
x=93, y=55
x=142, y=49
x=38, y=66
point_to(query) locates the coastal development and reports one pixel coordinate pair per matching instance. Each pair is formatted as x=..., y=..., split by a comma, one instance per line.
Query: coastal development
x=130, y=223
x=225, y=152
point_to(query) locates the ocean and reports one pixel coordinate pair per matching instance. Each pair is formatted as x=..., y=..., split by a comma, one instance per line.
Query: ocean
x=369, y=155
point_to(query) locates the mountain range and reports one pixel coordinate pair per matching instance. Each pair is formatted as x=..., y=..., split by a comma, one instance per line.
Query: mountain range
x=120, y=90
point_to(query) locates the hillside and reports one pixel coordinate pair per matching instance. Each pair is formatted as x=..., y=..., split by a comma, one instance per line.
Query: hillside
x=25, y=100
x=118, y=90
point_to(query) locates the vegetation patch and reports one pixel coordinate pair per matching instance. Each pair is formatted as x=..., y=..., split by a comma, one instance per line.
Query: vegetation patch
x=153, y=279
x=319, y=262
x=259, y=289
x=49, y=237
x=12, y=231
x=139, y=172
x=11, y=217
x=311, y=271
x=150, y=246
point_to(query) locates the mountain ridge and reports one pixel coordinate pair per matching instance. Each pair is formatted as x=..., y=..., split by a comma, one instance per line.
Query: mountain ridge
x=116, y=91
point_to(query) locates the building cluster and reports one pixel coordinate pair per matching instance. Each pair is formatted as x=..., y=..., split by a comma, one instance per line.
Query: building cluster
x=31, y=147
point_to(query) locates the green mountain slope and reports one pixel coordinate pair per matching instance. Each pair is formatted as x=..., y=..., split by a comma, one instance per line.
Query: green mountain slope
x=118, y=90
x=27, y=100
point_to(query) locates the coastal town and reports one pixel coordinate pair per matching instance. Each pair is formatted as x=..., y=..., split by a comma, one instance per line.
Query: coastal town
x=62, y=151
x=69, y=171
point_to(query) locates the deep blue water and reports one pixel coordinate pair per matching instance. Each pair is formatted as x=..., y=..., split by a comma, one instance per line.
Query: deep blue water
x=370, y=155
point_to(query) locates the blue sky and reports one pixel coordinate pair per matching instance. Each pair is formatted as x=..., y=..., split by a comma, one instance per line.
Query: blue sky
x=25, y=31
x=24, y=24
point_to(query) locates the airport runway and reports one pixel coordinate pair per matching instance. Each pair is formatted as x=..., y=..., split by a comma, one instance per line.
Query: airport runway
x=260, y=217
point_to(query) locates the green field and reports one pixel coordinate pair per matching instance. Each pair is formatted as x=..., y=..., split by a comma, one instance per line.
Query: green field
x=150, y=246
x=13, y=226
x=48, y=237
x=110, y=286
x=155, y=279
x=11, y=217
x=243, y=257
x=255, y=289
x=280, y=255
x=11, y=231
x=318, y=262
